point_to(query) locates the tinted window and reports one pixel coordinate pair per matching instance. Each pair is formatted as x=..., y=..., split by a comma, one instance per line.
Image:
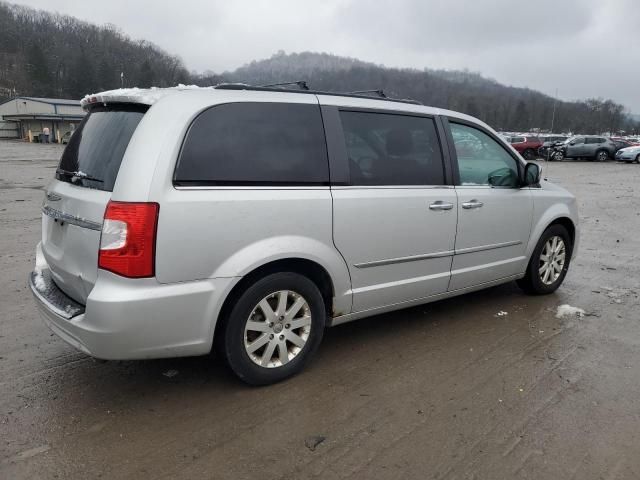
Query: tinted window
x=517, y=139
x=96, y=148
x=387, y=149
x=255, y=144
x=481, y=159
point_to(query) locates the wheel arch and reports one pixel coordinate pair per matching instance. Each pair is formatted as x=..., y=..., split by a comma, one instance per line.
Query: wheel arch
x=303, y=266
x=567, y=223
x=560, y=215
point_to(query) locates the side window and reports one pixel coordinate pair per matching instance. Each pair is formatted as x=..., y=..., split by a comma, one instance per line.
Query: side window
x=255, y=144
x=482, y=160
x=388, y=149
x=517, y=140
x=577, y=141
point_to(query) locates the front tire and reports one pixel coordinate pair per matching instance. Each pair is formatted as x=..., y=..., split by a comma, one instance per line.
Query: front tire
x=529, y=154
x=274, y=328
x=558, y=156
x=549, y=262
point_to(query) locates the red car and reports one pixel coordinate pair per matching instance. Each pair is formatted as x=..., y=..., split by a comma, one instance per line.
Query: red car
x=526, y=145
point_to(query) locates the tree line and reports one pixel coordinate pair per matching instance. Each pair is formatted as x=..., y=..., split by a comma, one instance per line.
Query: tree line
x=52, y=55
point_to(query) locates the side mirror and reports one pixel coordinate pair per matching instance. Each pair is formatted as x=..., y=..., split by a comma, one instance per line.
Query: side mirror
x=532, y=174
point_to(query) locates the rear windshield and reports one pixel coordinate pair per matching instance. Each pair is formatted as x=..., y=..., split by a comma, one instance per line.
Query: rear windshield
x=94, y=152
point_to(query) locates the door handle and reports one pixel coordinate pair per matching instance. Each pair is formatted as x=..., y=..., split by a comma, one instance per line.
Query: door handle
x=440, y=205
x=472, y=204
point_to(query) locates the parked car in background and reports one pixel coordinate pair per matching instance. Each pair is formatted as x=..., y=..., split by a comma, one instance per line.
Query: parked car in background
x=242, y=217
x=629, y=154
x=591, y=147
x=549, y=141
x=526, y=145
x=623, y=143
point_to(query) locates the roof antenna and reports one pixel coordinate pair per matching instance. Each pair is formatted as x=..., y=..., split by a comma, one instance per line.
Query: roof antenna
x=378, y=92
x=302, y=85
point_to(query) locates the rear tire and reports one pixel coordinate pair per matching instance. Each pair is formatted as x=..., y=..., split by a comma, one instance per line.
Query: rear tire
x=274, y=328
x=549, y=262
x=602, y=156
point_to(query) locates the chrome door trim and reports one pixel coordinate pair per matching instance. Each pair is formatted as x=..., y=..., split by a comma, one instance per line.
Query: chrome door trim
x=412, y=258
x=426, y=256
x=391, y=187
x=492, y=246
x=248, y=187
x=71, y=219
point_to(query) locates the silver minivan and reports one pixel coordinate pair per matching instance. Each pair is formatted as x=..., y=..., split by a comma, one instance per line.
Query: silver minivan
x=248, y=219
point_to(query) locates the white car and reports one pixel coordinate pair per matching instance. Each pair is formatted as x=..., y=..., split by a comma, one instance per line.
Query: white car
x=629, y=154
x=252, y=218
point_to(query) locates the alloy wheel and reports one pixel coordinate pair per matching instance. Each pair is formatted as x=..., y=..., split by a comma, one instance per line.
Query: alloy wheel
x=277, y=329
x=552, y=260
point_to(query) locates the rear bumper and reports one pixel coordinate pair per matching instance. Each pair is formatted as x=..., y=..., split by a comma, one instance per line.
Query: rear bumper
x=127, y=319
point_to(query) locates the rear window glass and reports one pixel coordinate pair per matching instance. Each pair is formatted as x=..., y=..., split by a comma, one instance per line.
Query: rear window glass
x=255, y=144
x=93, y=155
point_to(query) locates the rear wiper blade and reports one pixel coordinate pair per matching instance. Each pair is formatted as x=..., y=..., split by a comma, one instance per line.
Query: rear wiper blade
x=78, y=175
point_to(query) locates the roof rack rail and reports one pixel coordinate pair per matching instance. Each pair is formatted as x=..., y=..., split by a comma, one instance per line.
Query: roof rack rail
x=302, y=85
x=378, y=92
x=244, y=86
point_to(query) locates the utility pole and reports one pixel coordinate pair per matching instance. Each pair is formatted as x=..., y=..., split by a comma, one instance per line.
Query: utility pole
x=121, y=79
x=553, y=116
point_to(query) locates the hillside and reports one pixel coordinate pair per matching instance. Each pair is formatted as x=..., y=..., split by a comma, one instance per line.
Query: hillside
x=504, y=107
x=52, y=55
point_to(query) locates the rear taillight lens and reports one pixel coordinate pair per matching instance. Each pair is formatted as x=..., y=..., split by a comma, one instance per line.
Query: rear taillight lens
x=128, y=240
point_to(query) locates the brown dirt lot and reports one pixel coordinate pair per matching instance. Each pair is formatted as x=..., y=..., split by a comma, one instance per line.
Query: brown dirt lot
x=447, y=390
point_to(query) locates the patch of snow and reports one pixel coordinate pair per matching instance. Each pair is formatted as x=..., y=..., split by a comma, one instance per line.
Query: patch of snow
x=568, y=310
x=502, y=313
x=147, y=96
x=38, y=282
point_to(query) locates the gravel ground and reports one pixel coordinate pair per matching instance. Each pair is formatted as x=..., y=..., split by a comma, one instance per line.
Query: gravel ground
x=447, y=390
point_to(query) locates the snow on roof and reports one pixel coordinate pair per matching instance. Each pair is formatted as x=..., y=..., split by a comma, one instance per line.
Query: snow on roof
x=147, y=96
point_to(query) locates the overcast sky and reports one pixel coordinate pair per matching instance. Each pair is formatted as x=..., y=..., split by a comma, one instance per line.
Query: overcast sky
x=582, y=48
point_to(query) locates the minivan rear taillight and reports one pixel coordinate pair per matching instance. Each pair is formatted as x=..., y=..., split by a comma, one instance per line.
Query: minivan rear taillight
x=128, y=240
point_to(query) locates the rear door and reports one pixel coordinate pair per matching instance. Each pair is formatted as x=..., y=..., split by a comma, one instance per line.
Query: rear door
x=494, y=214
x=75, y=201
x=394, y=215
